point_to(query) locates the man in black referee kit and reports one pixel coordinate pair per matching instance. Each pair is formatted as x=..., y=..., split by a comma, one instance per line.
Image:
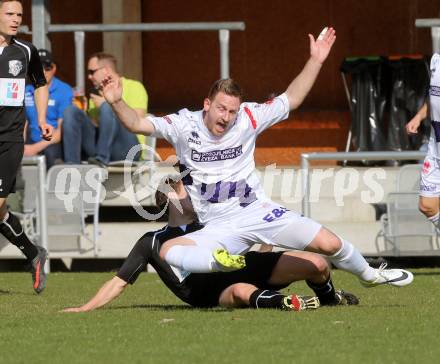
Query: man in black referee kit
x=18, y=60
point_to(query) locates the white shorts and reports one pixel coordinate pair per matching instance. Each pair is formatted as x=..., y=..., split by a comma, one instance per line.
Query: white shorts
x=261, y=222
x=430, y=177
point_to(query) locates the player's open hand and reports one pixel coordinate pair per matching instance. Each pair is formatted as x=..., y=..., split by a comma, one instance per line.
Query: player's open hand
x=320, y=48
x=111, y=88
x=46, y=131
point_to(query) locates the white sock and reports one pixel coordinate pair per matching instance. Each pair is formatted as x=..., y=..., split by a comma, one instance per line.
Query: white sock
x=350, y=259
x=192, y=258
x=434, y=219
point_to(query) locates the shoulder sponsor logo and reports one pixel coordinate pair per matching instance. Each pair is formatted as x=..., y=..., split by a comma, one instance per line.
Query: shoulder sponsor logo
x=167, y=119
x=15, y=67
x=217, y=155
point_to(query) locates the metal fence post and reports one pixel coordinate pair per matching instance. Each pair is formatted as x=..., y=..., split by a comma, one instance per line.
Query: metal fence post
x=224, y=53
x=40, y=23
x=79, y=61
x=305, y=184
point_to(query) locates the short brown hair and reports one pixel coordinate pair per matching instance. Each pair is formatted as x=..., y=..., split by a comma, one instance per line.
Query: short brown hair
x=107, y=57
x=227, y=86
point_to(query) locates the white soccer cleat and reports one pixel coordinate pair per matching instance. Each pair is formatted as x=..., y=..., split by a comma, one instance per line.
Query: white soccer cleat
x=394, y=277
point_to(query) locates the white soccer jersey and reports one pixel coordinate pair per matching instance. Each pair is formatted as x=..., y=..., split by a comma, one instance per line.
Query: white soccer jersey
x=221, y=178
x=434, y=101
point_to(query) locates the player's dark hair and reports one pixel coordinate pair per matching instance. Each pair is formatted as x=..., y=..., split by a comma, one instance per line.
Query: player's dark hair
x=227, y=86
x=161, y=197
x=107, y=57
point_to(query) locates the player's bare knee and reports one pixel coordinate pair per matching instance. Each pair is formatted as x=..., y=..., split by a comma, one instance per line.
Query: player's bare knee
x=241, y=293
x=428, y=209
x=238, y=292
x=331, y=245
x=236, y=295
x=325, y=242
x=321, y=265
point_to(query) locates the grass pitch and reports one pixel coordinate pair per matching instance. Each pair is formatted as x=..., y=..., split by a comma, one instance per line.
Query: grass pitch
x=147, y=324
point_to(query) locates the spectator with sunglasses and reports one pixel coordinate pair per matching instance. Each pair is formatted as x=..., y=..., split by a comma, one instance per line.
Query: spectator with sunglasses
x=60, y=97
x=97, y=135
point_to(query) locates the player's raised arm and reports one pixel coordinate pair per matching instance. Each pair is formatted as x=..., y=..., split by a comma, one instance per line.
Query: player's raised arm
x=107, y=293
x=319, y=50
x=112, y=92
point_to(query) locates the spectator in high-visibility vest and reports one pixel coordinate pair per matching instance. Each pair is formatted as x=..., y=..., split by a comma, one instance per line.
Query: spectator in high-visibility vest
x=97, y=135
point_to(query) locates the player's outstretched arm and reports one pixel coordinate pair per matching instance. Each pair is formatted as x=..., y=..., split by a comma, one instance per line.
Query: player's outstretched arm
x=319, y=50
x=107, y=293
x=41, y=100
x=112, y=92
x=413, y=125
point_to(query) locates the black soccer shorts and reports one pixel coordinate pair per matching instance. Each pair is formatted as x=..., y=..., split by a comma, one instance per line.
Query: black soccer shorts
x=11, y=154
x=206, y=287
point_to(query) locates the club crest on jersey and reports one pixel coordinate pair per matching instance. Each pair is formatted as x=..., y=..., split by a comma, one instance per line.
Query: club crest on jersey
x=15, y=67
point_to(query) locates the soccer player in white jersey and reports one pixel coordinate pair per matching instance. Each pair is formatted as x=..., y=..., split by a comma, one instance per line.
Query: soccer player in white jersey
x=216, y=146
x=430, y=175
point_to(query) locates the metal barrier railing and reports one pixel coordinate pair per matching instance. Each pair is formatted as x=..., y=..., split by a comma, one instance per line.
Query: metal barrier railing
x=40, y=162
x=79, y=30
x=346, y=156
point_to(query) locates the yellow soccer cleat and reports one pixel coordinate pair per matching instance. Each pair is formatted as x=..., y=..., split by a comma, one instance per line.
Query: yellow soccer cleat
x=227, y=262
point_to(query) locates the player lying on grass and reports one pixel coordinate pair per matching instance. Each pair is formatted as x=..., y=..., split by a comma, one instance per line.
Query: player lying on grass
x=215, y=147
x=257, y=285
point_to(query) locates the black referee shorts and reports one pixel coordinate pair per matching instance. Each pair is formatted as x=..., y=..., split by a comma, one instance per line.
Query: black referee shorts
x=11, y=154
x=205, y=288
